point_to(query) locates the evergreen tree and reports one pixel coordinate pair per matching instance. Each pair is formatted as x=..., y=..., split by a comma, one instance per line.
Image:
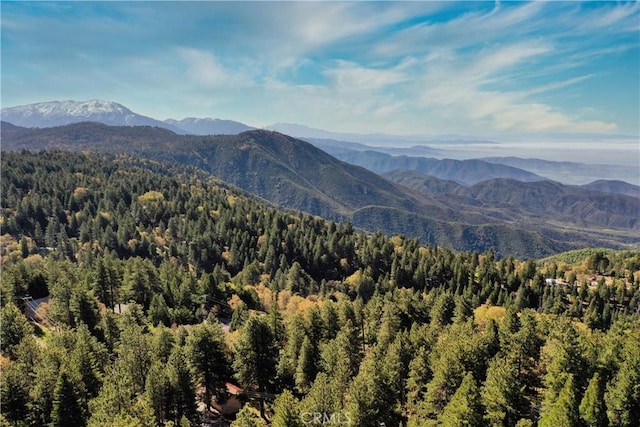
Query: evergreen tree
x=256, y=355
x=207, y=354
x=366, y=397
x=158, y=311
x=502, y=392
x=162, y=343
x=239, y=316
x=86, y=362
x=288, y=362
x=325, y=397
x=183, y=404
x=564, y=411
x=13, y=328
x=67, y=409
x=623, y=392
x=247, y=418
x=306, y=369
x=419, y=374
x=14, y=392
x=465, y=407
x=116, y=397
x=134, y=352
x=158, y=392
x=592, y=409
x=285, y=411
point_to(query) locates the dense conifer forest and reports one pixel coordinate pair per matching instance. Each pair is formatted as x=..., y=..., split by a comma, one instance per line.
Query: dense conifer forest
x=167, y=286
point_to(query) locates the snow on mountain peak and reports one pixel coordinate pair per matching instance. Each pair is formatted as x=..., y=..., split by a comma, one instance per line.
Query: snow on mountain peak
x=58, y=113
x=72, y=108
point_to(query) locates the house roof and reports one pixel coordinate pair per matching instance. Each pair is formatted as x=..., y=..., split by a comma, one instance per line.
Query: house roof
x=233, y=389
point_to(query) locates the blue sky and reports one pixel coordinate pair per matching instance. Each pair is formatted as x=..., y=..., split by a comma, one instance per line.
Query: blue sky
x=475, y=68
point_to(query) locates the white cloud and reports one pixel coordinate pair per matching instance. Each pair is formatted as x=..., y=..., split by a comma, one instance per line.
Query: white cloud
x=458, y=88
x=620, y=17
x=408, y=67
x=206, y=70
x=349, y=77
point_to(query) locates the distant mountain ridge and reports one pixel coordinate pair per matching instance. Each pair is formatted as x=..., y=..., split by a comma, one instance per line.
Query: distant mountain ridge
x=335, y=147
x=614, y=187
x=464, y=172
x=571, y=172
x=295, y=174
x=544, y=200
x=60, y=113
x=373, y=139
x=208, y=126
x=340, y=145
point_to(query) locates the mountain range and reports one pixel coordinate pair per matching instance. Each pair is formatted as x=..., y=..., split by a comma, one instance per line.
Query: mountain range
x=346, y=146
x=294, y=174
x=571, y=172
x=547, y=200
x=59, y=113
x=208, y=126
x=465, y=172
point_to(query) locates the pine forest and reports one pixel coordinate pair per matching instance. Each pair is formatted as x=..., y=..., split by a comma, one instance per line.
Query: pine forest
x=146, y=293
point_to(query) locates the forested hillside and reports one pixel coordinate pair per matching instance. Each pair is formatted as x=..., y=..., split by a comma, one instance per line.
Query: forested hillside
x=167, y=284
x=293, y=174
x=544, y=201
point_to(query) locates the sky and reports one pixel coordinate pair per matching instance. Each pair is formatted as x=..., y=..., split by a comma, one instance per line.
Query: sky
x=479, y=68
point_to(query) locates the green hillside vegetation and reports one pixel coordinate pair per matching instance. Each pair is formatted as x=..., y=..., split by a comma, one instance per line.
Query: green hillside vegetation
x=308, y=316
x=294, y=174
x=532, y=201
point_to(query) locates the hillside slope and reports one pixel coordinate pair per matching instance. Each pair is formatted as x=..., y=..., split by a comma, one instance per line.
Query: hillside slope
x=297, y=175
x=543, y=201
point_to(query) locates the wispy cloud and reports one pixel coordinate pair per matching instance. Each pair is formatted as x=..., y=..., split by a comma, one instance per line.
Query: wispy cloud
x=205, y=70
x=408, y=67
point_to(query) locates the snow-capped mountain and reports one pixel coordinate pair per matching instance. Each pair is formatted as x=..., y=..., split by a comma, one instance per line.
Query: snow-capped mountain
x=59, y=113
x=207, y=126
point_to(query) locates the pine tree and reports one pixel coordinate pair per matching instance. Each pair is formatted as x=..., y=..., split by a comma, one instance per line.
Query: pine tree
x=563, y=355
x=324, y=397
x=465, y=407
x=247, y=418
x=623, y=392
x=85, y=365
x=285, y=411
x=158, y=392
x=564, y=411
x=67, y=409
x=592, y=409
x=158, y=311
x=13, y=328
x=162, y=343
x=366, y=397
x=288, y=363
x=116, y=396
x=502, y=392
x=306, y=369
x=256, y=355
x=134, y=352
x=184, y=394
x=14, y=392
x=419, y=374
x=207, y=354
